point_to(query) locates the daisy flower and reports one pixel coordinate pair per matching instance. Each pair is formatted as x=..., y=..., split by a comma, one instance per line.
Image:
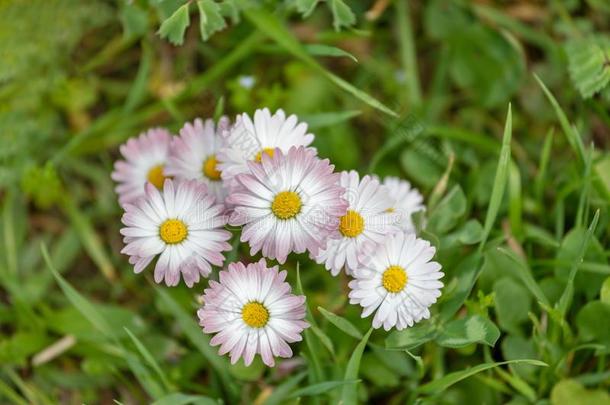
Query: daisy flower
x=182, y=226
x=145, y=159
x=367, y=220
x=288, y=203
x=407, y=201
x=252, y=311
x=193, y=154
x=399, y=280
x=248, y=140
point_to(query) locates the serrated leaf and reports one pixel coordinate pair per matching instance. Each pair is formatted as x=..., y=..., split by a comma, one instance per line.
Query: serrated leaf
x=229, y=9
x=343, y=16
x=175, y=26
x=589, y=64
x=211, y=19
x=306, y=7
x=341, y=323
x=469, y=330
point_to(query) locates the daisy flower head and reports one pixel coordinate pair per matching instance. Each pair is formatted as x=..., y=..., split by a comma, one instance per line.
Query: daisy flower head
x=398, y=280
x=252, y=311
x=367, y=220
x=182, y=226
x=249, y=139
x=290, y=202
x=407, y=201
x=145, y=160
x=193, y=154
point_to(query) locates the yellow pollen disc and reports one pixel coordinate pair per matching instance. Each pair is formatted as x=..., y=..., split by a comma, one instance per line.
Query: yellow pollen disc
x=156, y=177
x=394, y=279
x=351, y=224
x=259, y=155
x=173, y=231
x=209, y=168
x=390, y=210
x=255, y=314
x=286, y=205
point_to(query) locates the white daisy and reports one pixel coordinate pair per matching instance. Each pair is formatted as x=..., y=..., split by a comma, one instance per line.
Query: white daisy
x=367, y=220
x=193, y=154
x=407, y=201
x=399, y=280
x=182, y=226
x=252, y=311
x=248, y=140
x=290, y=202
x=145, y=158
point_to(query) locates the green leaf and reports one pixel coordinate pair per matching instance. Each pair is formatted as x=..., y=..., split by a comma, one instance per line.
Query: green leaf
x=447, y=212
x=179, y=398
x=524, y=273
x=306, y=7
x=210, y=18
x=591, y=323
x=469, y=330
x=441, y=384
x=604, y=293
x=497, y=192
x=326, y=50
x=139, y=88
x=412, y=337
x=134, y=20
x=573, y=393
x=175, y=26
x=274, y=29
x=320, y=388
x=349, y=393
x=149, y=358
x=341, y=323
x=329, y=118
x=512, y=303
x=283, y=390
x=343, y=16
x=589, y=64
x=456, y=292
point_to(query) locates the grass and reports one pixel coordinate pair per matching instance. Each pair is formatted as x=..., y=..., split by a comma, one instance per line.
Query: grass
x=472, y=103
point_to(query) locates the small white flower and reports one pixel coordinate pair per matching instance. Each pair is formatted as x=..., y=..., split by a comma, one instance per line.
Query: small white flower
x=407, y=201
x=398, y=280
x=247, y=140
x=193, y=154
x=145, y=159
x=252, y=311
x=367, y=220
x=182, y=226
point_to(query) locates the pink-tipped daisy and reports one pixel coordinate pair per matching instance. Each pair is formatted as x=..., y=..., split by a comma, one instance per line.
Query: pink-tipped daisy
x=367, y=220
x=193, y=154
x=145, y=160
x=407, y=201
x=398, y=280
x=287, y=203
x=252, y=311
x=182, y=225
x=248, y=140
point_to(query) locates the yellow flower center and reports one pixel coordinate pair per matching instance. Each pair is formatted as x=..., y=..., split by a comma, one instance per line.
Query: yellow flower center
x=209, y=168
x=351, y=224
x=255, y=315
x=286, y=205
x=390, y=210
x=394, y=279
x=173, y=231
x=156, y=177
x=259, y=155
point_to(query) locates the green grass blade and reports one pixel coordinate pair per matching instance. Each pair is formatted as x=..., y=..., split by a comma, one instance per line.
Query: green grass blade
x=570, y=132
x=321, y=388
x=545, y=157
x=497, y=191
x=515, y=201
x=179, y=398
x=441, y=384
x=525, y=275
x=568, y=293
x=341, y=323
x=282, y=391
x=349, y=393
x=148, y=357
x=271, y=26
x=408, y=53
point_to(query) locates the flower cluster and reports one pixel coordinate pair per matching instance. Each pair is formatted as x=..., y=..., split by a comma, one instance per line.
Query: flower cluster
x=261, y=174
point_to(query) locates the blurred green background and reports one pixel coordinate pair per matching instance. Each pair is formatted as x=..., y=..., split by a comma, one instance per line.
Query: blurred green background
x=418, y=89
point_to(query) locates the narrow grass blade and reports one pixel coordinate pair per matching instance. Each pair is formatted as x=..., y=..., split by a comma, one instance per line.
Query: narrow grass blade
x=179, y=398
x=525, y=275
x=139, y=88
x=282, y=391
x=441, y=384
x=349, y=394
x=148, y=357
x=515, y=205
x=570, y=132
x=408, y=53
x=271, y=26
x=341, y=323
x=497, y=191
x=545, y=157
x=326, y=50
x=329, y=118
x=321, y=388
x=568, y=293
